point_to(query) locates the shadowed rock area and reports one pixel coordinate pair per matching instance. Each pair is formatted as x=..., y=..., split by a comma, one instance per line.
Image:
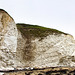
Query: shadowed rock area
x=44, y=71
x=25, y=46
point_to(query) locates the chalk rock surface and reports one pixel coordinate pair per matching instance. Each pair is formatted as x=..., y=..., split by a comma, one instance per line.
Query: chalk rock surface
x=8, y=39
x=24, y=45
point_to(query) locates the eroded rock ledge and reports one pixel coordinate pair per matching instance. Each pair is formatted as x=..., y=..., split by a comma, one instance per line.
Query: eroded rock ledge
x=25, y=45
x=43, y=71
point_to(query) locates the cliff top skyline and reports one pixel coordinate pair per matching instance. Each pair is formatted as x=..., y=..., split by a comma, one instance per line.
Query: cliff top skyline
x=57, y=14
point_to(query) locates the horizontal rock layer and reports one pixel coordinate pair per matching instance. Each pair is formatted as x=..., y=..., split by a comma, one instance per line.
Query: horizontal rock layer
x=44, y=71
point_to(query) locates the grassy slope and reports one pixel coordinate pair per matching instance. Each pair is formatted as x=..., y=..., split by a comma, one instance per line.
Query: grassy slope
x=36, y=31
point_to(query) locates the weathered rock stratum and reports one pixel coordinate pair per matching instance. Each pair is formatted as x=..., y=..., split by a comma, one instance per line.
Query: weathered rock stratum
x=25, y=45
x=44, y=71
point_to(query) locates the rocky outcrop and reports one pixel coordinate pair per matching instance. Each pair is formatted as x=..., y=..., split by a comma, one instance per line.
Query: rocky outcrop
x=24, y=45
x=45, y=71
x=8, y=32
x=8, y=40
x=43, y=47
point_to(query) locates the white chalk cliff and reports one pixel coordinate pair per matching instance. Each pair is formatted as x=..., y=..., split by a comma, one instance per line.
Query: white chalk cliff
x=25, y=45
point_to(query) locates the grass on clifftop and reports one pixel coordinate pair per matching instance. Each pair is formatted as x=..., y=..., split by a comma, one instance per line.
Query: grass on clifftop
x=36, y=31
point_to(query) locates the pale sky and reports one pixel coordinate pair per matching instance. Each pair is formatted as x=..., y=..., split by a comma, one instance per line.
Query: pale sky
x=58, y=14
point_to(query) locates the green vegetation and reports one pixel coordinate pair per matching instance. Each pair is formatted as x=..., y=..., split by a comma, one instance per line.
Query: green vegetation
x=36, y=31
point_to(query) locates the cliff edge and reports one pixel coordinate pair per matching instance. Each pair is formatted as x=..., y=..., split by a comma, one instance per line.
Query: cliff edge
x=25, y=45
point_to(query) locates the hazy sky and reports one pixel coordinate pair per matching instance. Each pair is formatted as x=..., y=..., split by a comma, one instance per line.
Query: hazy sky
x=58, y=14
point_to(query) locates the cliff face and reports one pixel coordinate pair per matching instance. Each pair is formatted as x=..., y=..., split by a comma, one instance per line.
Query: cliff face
x=8, y=39
x=25, y=45
x=8, y=32
x=43, y=47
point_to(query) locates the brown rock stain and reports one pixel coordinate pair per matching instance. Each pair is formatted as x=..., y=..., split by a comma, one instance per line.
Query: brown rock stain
x=5, y=19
